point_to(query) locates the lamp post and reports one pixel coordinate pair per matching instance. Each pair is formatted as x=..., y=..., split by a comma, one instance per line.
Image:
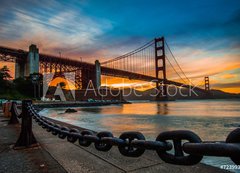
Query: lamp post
x=35, y=82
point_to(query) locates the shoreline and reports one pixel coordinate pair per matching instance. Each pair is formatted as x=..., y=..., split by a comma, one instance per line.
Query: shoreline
x=41, y=105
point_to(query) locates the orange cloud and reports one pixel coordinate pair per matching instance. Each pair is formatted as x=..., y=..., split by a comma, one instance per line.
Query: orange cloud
x=117, y=82
x=228, y=76
x=231, y=90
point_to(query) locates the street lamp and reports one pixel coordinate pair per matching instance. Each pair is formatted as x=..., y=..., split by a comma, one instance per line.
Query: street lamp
x=35, y=82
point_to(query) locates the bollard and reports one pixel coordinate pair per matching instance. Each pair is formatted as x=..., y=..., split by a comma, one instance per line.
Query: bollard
x=26, y=138
x=7, y=112
x=5, y=109
x=13, y=118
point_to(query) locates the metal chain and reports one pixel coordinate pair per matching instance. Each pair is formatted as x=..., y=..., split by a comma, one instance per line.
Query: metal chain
x=133, y=144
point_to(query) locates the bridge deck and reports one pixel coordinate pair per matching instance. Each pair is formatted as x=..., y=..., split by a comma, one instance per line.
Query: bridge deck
x=21, y=55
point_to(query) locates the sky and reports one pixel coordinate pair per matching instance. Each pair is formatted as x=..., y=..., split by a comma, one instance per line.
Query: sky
x=203, y=35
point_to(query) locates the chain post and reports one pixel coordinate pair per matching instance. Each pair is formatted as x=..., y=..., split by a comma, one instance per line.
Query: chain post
x=13, y=118
x=26, y=138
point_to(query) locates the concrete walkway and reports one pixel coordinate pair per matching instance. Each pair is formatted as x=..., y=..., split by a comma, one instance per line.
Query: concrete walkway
x=23, y=161
x=57, y=156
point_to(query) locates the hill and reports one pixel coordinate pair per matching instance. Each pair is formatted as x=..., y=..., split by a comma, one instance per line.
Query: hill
x=176, y=93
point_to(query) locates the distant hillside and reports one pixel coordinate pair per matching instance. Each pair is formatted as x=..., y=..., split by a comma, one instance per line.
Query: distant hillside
x=221, y=94
x=183, y=93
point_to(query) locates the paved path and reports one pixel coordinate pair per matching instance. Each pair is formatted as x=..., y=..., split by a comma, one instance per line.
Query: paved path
x=57, y=156
x=23, y=161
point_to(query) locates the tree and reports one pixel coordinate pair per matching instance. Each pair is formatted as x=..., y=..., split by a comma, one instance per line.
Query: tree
x=24, y=86
x=5, y=73
x=4, y=79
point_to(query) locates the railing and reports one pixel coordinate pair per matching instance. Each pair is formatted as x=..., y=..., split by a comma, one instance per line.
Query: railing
x=133, y=144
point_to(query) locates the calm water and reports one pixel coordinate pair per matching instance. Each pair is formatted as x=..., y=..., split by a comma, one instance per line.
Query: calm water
x=210, y=119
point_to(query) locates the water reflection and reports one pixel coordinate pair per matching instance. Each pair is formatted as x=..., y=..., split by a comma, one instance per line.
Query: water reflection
x=162, y=108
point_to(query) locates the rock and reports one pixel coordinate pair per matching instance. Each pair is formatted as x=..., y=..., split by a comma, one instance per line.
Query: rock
x=69, y=110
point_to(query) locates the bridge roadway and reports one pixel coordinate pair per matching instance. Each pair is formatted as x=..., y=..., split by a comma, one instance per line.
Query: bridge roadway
x=12, y=55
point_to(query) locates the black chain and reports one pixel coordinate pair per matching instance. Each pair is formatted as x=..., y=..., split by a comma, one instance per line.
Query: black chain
x=133, y=144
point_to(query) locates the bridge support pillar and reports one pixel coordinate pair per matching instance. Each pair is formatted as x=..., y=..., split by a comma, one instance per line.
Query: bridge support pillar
x=19, y=69
x=32, y=64
x=88, y=78
x=98, y=73
x=91, y=77
x=160, y=65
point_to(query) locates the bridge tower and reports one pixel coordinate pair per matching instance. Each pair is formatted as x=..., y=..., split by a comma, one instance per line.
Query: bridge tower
x=32, y=65
x=19, y=68
x=98, y=73
x=207, y=86
x=91, y=77
x=160, y=67
x=29, y=65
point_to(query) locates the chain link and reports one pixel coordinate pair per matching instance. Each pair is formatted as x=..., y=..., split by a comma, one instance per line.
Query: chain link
x=102, y=145
x=73, y=135
x=234, y=137
x=128, y=149
x=179, y=157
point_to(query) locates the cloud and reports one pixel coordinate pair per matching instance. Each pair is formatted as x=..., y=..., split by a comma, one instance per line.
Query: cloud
x=199, y=63
x=73, y=33
x=228, y=76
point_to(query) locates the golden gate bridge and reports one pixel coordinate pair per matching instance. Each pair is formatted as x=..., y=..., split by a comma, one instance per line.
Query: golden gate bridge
x=152, y=62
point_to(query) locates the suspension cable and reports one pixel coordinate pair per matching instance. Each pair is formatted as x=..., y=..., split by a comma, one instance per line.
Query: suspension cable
x=177, y=63
x=150, y=43
x=175, y=70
